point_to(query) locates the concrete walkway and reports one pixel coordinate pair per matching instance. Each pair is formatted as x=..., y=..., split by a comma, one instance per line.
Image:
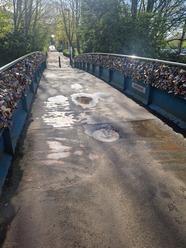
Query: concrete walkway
x=95, y=170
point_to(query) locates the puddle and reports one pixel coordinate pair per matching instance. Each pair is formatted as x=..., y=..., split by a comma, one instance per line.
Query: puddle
x=84, y=99
x=102, y=132
x=90, y=100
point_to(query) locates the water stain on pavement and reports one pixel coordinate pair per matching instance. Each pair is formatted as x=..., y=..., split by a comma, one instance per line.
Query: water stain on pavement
x=76, y=86
x=84, y=99
x=58, y=112
x=102, y=132
x=106, y=135
x=91, y=100
x=146, y=128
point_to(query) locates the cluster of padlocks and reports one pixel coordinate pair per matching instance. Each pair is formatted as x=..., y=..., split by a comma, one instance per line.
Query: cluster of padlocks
x=14, y=83
x=164, y=76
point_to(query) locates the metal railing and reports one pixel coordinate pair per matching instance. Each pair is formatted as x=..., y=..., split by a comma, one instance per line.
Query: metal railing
x=15, y=78
x=140, y=58
x=18, y=85
x=166, y=75
x=9, y=65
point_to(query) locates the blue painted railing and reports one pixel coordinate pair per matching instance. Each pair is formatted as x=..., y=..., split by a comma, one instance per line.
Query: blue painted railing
x=33, y=65
x=159, y=85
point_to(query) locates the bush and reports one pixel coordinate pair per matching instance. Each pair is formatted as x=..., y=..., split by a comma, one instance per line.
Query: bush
x=66, y=53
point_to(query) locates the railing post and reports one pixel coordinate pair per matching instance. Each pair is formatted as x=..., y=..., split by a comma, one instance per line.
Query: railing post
x=59, y=62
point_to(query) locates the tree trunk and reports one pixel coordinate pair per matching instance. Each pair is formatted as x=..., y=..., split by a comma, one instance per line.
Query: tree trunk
x=150, y=6
x=182, y=38
x=134, y=8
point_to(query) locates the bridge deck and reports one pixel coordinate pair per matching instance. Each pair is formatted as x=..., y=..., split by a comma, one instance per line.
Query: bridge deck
x=95, y=170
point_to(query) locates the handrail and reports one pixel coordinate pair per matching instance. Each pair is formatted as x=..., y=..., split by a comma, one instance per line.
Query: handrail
x=20, y=74
x=137, y=57
x=158, y=84
x=162, y=74
x=7, y=66
x=19, y=81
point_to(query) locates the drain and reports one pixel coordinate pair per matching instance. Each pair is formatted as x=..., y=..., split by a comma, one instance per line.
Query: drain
x=83, y=99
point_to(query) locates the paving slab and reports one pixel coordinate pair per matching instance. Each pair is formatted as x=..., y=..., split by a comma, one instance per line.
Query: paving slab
x=95, y=169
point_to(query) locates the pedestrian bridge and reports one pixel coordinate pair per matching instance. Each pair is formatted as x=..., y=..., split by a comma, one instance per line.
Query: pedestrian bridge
x=94, y=167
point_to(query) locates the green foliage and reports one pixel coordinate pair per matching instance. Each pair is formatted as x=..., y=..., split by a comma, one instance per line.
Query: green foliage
x=66, y=53
x=18, y=41
x=109, y=26
x=147, y=36
x=100, y=25
x=13, y=45
x=6, y=24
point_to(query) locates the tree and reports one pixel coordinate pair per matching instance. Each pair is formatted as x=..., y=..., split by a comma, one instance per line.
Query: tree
x=100, y=25
x=68, y=17
x=27, y=31
x=5, y=22
x=137, y=27
x=183, y=37
x=28, y=17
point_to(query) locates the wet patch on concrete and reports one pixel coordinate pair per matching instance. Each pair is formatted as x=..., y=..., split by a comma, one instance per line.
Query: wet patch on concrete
x=58, y=151
x=91, y=100
x=58, y=155
x=69, y=155
x=93, y=156
x=83, y=99
x=57, y=119
x=105, y=97
x=70, y=160
x=97, y=119
x=76, y=86
x=58, y=113
x=51, y=162
x=106, y=135
x=146, y=128
x=79, y=153
x=102, y=132
x=60, y=99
